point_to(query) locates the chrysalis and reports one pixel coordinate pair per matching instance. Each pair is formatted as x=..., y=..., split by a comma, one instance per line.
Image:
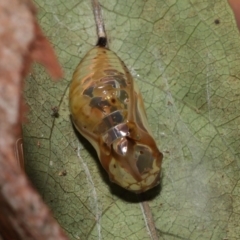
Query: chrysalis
x=107, y=109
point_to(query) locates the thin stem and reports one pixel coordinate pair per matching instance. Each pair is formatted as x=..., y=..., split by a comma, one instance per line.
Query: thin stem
x=148, y=218
x=98, y=19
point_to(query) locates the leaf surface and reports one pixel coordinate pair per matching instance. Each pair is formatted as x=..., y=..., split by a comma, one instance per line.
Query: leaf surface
x=184, y=56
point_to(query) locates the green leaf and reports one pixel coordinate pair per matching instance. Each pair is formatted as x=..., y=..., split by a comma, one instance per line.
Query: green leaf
x=187, y=67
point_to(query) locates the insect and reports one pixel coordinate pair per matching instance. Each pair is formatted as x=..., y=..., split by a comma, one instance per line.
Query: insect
x=107, y=109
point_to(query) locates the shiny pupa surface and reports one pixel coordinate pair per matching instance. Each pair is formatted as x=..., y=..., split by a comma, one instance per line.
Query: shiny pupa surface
x=107, y=109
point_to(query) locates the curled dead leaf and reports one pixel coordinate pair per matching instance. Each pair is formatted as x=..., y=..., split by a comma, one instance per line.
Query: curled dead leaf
x=23, y=213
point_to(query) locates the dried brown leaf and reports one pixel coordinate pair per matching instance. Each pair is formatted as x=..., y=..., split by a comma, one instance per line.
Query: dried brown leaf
x=23, y=213
x=235, y=5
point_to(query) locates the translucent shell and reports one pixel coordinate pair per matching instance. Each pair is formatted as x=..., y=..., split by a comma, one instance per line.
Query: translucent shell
x=108, y=110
